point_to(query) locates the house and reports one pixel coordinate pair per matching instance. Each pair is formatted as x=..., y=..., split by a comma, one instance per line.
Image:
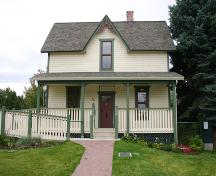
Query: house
x=118, y=69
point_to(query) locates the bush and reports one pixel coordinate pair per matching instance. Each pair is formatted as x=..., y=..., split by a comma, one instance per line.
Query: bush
x=187, y=131
x=7, y=142
x=27, y=142
x=166, y=147
x=196, y=143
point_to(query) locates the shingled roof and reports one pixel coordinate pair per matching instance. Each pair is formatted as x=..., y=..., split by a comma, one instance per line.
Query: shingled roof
x=137, y=35
x=108, y=76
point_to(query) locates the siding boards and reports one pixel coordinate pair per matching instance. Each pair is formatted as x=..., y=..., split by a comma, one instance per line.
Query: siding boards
x=145, y=61
x=158, y=95
x=57, y=96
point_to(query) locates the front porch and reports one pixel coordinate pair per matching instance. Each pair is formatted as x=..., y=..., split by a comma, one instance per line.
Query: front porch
x=114, y=104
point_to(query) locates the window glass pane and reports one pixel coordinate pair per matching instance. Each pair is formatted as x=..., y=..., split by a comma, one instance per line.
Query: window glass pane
x=141, y=106
x=106, y=62
x=106, y=48
x=105, y=98
x=142, y=97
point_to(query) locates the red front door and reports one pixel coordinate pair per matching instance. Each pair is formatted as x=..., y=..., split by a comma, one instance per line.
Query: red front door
x=106, y=105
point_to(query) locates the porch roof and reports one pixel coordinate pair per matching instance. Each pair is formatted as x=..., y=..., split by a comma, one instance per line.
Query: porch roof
x=108, y=76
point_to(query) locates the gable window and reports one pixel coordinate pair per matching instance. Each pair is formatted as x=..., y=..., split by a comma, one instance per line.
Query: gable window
x=106, y=55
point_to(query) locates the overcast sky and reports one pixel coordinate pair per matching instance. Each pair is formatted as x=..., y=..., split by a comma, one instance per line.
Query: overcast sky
x=24, y=25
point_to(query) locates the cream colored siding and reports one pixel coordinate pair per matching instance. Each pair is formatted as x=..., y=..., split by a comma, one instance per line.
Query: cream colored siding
x=145, y=61
x=57, y=96
x=158, y=96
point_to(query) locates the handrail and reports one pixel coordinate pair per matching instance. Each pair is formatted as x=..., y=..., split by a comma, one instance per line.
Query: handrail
x=145, y=108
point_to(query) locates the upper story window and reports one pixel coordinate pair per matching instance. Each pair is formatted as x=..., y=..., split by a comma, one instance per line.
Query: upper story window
x=107, y=55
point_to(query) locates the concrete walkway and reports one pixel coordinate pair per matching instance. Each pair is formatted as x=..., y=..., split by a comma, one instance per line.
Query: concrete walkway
x=97, y=159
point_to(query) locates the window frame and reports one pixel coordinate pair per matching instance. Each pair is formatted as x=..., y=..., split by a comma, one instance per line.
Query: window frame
x=137, y=88
x=111, y=55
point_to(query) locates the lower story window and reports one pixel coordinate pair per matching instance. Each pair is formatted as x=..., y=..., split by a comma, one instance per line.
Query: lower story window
x=142, y=97
x=142, y=103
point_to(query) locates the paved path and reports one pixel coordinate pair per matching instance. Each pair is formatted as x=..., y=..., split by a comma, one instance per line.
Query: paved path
x=97, y=159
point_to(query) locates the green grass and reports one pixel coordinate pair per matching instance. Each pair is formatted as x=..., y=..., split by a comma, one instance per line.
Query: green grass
x=152, y=162
x=58, y=160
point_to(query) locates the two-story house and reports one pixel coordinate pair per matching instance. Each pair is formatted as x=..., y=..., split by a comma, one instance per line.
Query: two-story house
x=119, y=68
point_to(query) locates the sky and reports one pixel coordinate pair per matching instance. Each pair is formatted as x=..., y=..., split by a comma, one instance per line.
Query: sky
x=25, y=24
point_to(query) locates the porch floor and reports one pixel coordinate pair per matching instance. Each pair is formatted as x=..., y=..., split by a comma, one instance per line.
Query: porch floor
x=97, y=159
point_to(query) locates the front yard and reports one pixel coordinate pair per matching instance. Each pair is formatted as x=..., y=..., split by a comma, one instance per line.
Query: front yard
x=151, y=162
x=58, y=160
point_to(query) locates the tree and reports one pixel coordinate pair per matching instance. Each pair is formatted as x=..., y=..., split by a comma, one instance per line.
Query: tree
x=10, y=99
x=193, y=26
x=30, y=93
x=30, y=96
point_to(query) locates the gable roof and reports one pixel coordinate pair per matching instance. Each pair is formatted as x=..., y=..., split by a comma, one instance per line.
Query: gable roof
x=136, y=35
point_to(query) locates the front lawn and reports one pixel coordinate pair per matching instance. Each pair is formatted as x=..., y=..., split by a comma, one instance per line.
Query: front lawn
x=147, y=161
x=58, y=160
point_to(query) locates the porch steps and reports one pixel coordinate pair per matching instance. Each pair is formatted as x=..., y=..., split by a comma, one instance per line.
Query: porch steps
x=104, y=133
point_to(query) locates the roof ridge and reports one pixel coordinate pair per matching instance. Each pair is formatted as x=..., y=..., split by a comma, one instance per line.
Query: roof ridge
x=112, y=22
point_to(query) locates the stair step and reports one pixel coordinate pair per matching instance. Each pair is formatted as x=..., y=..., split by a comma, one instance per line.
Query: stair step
x=104, y=130
x=104, y=135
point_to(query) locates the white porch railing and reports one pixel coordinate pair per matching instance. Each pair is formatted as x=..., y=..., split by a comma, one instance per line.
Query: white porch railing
x=16, y=123
x=75, y=116
x=46, y=123
x=145, y=120
x=58, y=123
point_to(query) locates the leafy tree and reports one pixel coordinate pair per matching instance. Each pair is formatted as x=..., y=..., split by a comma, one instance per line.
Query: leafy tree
x=30, y=96
x=193, y=26
x=30, y=93
x=10, y=99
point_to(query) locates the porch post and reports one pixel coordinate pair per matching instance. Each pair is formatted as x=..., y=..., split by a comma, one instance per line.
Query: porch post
x=127, y=106
x=38, y=97
x=175, y=113
x=116, y=122
x=3, y=120
x=82, y=108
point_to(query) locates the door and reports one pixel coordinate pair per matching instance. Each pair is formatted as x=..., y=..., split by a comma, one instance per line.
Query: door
x=106, y=109
x=214, y=137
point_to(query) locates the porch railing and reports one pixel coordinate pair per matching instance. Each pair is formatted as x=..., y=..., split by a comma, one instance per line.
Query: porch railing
x=52, y=123
x=145, y=120
x=48, y=123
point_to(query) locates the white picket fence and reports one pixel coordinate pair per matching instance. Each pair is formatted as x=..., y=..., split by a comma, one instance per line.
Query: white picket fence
x=46, y=123
x=146, y=120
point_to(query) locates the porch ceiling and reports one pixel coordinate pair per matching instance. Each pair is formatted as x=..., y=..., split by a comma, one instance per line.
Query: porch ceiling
x=109, y=76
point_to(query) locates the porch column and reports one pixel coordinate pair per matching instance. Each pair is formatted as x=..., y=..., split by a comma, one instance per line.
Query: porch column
x=127, y=106
x=82, y=108
x=174, y=113
x=38, y=96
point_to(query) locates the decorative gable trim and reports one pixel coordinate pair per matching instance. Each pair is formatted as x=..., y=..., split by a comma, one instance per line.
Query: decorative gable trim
x=106, y=22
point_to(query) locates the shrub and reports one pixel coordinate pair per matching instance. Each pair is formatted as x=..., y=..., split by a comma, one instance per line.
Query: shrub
x=27, y=142
x=196, y=143
x=7, y=142
x=142, y=142
x=166, y=147
x=130, y=138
